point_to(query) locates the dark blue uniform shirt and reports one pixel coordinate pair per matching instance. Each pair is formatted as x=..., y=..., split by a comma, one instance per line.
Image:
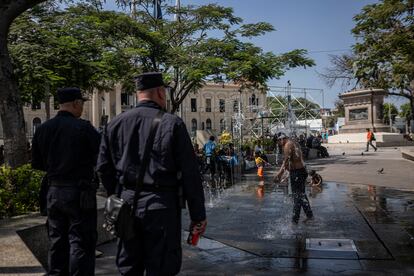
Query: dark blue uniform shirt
x=122, y=147
x=66, y=148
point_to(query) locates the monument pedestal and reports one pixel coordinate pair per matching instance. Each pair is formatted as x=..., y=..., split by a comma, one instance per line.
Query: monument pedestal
x=384, y=139
x=363, y=109
x=361, y=128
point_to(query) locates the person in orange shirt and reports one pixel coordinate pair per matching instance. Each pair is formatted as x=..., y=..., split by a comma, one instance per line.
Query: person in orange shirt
x=370, y=138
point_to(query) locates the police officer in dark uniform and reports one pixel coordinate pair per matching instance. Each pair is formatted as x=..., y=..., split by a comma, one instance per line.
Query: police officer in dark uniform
x=66, y=147
x=156, y=249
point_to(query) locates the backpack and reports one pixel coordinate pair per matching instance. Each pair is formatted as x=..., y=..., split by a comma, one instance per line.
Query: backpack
x=373, y=137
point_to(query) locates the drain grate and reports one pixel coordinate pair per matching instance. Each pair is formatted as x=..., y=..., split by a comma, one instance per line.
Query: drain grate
x=337, y=245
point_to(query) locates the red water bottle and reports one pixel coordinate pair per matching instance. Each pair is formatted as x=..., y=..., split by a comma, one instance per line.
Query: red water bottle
x=194, y=234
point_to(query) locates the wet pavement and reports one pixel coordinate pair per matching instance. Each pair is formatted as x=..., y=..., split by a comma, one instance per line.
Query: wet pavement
x=357, y=230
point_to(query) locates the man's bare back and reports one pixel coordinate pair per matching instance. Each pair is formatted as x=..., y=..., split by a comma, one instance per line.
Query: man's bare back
x=292, y=156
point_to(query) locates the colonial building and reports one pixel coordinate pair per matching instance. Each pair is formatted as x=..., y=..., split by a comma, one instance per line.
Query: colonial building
x=211, y=109
x=214, y=107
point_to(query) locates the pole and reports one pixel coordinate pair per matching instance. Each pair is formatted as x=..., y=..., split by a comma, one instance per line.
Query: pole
x=306, y=113
x=289, y=104
x=261, y=118
x=240, y=112
x=241, y=133
x=389, y=116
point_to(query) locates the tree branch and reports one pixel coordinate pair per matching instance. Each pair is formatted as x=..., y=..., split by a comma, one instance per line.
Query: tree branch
x=400, y=94
x=10, y=9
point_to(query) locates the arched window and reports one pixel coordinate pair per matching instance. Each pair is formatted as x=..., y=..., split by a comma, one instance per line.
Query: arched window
x=254, y=103
x=253, y=99
x=193, y=125
x=208, y=124
x=36, y=123
x=235, y=106
x=222, y=125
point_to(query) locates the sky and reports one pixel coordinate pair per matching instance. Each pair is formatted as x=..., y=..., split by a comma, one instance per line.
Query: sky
x=323, y=27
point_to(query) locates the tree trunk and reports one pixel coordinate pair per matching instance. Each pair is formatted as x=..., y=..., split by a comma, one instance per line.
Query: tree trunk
x=11, y=111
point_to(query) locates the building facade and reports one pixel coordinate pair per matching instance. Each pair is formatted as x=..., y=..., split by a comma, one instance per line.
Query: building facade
x=213, y=108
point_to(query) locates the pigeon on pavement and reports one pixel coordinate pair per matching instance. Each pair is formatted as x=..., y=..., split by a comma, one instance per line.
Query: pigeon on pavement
x=381, y=171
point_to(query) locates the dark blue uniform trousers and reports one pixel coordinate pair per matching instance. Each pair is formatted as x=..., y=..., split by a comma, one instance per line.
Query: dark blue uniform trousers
x=72, y=233
x=157, y=246
x=300, y=200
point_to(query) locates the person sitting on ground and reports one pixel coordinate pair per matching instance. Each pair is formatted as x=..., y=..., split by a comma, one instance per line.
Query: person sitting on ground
x=316, y=144
x=316, y=179
x=407, y=137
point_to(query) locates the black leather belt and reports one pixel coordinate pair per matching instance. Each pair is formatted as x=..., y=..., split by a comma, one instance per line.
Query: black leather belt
x=154, y=188
x=64, y=183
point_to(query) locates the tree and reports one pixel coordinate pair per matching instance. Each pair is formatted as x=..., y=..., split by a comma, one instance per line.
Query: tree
x=185, y=50
x=208, y=43
x=384, y=53
x=387, y=110
x=341, y=71
x=302, y=108
x=406, y=112
x=11, y=110
x=80, y=46
x=339, y=108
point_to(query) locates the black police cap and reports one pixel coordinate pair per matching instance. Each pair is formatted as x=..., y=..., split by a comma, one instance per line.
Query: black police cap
x=69, y=94
x=149, y=80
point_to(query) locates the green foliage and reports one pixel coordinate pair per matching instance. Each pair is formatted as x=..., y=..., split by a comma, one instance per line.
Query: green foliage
x=87, y=47
x=406, y=111
x=384, y=52
x=19, y=190
x=302, y=107
x=267, y=144
x=81, y=46
x=208, y=43
x=387, y=109
x=340, y=108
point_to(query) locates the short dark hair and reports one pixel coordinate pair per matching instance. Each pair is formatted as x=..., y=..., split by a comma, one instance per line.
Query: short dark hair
x=212, y=138
x=368, y=129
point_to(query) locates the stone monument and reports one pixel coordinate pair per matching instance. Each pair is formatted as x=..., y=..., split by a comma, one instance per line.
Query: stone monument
x=363, y=109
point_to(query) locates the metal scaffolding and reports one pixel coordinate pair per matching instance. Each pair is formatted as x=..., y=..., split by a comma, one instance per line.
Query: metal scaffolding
x=285, y=106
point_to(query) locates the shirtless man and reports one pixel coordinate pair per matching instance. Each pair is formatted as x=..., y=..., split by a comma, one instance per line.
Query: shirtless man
x=293, y=162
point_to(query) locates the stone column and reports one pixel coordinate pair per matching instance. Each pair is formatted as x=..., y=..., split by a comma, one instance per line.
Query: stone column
x=95, y=110
x=118, y=107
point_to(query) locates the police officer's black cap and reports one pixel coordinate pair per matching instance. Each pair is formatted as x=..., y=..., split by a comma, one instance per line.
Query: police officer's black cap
x=69, y=94
x=149, y=80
